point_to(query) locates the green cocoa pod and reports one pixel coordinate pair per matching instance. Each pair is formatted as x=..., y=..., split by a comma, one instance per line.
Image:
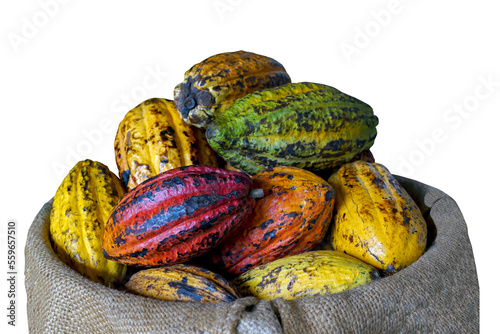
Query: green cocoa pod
x=305, y=125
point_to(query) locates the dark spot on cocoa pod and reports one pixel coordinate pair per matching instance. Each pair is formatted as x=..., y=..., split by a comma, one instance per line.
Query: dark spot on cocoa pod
x=169, y=131
x=141, y=253
x=329, y=195
x=334, y=145
x=379, y=183
x=204, y=98
x=210, y=178
x=172, y=182
x=269, y=235
x=270, y=278
x=184, y=290
x=390, y=269
x=266, y=223
x=210, y=241
x=406, y=217
x=307, y=126
x=238, y=179
x=251, y=80
x=190, y=103
x=239, y=83
x=119, y=240
x=291, y=283
x=196, y=182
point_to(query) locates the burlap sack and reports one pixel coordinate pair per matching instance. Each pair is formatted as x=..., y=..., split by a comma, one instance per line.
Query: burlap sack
x=437, y=294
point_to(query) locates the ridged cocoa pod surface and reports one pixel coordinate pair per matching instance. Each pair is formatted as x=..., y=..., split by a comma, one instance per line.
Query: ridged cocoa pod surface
x=292, y=217
x=303, y=275
x=81, y=207
x=182, y=282
x=177, y=215
x=152, y=138
x=376, y=220
x=305, y=125
x=212, y=85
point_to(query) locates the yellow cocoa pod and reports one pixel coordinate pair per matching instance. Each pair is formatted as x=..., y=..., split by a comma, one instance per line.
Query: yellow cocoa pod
x=305, y=275
x=152, y=138
x=80, y=209
x=376, y=220
x=182, y=282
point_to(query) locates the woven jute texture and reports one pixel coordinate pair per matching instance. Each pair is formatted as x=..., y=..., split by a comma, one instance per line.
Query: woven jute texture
x=439, y=293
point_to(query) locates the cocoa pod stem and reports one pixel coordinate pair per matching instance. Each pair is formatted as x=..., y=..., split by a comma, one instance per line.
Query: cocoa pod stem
x=256, y=193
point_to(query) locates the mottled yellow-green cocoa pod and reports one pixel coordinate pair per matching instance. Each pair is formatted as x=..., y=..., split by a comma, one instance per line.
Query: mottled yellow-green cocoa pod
x=305, y=125
x=305, y=275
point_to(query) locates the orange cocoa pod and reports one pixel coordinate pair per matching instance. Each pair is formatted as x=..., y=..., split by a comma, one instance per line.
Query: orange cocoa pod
x=291, y=218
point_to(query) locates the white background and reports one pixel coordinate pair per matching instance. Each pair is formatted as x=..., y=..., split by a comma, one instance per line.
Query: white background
x=70, y=70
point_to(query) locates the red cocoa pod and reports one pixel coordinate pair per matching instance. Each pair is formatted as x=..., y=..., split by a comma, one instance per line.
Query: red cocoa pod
x=177, y=215
x=292, y=217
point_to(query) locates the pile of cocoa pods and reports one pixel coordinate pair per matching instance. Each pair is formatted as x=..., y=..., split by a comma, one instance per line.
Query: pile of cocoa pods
x=245, y=184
